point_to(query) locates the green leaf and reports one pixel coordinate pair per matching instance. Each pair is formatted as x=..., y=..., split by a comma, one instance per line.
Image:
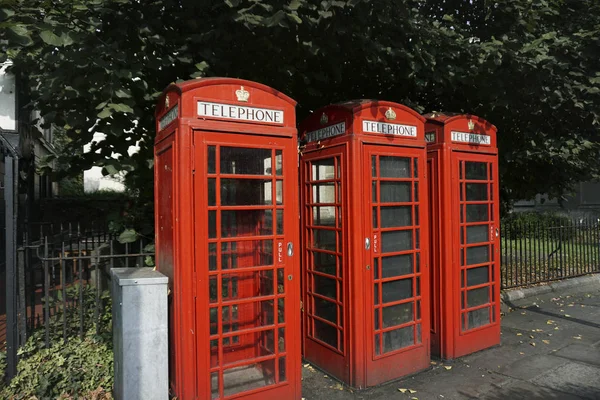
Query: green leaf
x=122, y=94
x=121, y=107
x=105, y=113
x=295, y=18
x=128, y=236
x=50, y=38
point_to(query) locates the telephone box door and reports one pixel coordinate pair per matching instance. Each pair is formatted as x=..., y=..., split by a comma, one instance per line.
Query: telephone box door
x=248, y=187
x=475, y=195
x=324, y=276
x=397, y=301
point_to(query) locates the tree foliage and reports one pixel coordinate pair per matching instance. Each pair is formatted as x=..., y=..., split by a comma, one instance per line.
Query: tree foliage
x=529, y=67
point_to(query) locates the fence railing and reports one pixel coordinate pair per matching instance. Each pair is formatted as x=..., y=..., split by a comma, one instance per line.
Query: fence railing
x=61, y=277
x=539, y=252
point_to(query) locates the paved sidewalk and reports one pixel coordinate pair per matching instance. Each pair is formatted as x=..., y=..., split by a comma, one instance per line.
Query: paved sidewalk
x=550, y=350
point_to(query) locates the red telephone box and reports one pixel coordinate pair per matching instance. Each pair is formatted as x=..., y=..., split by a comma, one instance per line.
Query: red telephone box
x=462, y=163
x=226, y=227
x=364, y=241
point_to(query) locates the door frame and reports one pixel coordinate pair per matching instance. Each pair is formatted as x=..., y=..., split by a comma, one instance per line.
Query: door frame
x=413, y=358
x=201, y=140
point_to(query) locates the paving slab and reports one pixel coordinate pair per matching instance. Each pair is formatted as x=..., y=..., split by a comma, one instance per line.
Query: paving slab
x=575, y=378
x=580, y=352
x=531, y=367
x=523, y=390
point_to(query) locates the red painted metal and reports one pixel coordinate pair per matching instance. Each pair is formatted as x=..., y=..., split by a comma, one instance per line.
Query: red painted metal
x=362, y=176
x=465, y=244
x=226, y=227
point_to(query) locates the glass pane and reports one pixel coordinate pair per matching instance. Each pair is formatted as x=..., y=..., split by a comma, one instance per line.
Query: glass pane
x=477, y=212
x=278, y=162
x=476, y=191
x=397, y=265
x=374, y=191
x=214, y=385
x=415, y=167
x=397, y=290
x=478, y=297
x=416, y=191
x=376, y=268
x=376, y=293
x=377, y=339
x=323, y=193
x=246, y=192
x=246, y=222
x=249, y=253
x=212, y=192
x=477, y=255
x=212, y=289
x=248, y=377
x=324, y=262
x=281, y=341
x=375, y=217
x=326, y=310
x=397, y=315
x=394, y=167
x=395, y=192
x=396, y=216
x=476, y=170
x=279, y=192
x=212, y=224
x=323, y=169
x=280, y=281
x=254, y=314
x=479, y=317
x=397, y=339
x=214, y=321
x=396, y=241
x=374, y=166
x=418, y=333
x=211, y=159
x=326, y=333
x=477, y=276
x=325, y=286
x=324, y=239
x=244, y=161
x=280, y=310
x=477, y=234
x=279, y=222
x=212, y=256
x=282, y=370
x=324, y=216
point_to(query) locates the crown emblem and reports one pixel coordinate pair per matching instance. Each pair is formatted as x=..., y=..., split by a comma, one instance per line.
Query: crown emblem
x=390, y=114
x=324, y=119
x=242, y=94
x=166, y=101
x=471, y=125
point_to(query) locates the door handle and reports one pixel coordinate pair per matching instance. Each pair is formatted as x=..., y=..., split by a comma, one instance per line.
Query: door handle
x=290, y=249
x=367, y=244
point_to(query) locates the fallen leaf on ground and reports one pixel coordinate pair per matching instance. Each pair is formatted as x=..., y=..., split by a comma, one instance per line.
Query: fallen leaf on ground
x=531, y=336
x=556, y=328
x=577, y=337
x=448, y=367
x=519, y=334
x=521, y=353
x=550, y=322
x=402, y=390
x=567, y=315
x=546, y=341
x=411, y=391
x=539, y=330
x=532, y=343
x=433, y=363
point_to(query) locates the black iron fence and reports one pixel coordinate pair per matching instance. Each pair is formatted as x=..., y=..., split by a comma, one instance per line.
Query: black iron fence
x=536, y=252
x=63, y=273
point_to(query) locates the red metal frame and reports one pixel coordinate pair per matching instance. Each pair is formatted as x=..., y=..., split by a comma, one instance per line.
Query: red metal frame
x=465, y=256
x=226, y=210
x=338, y=132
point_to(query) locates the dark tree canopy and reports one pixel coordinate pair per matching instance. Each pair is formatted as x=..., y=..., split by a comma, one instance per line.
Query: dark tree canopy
x=529, y=67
